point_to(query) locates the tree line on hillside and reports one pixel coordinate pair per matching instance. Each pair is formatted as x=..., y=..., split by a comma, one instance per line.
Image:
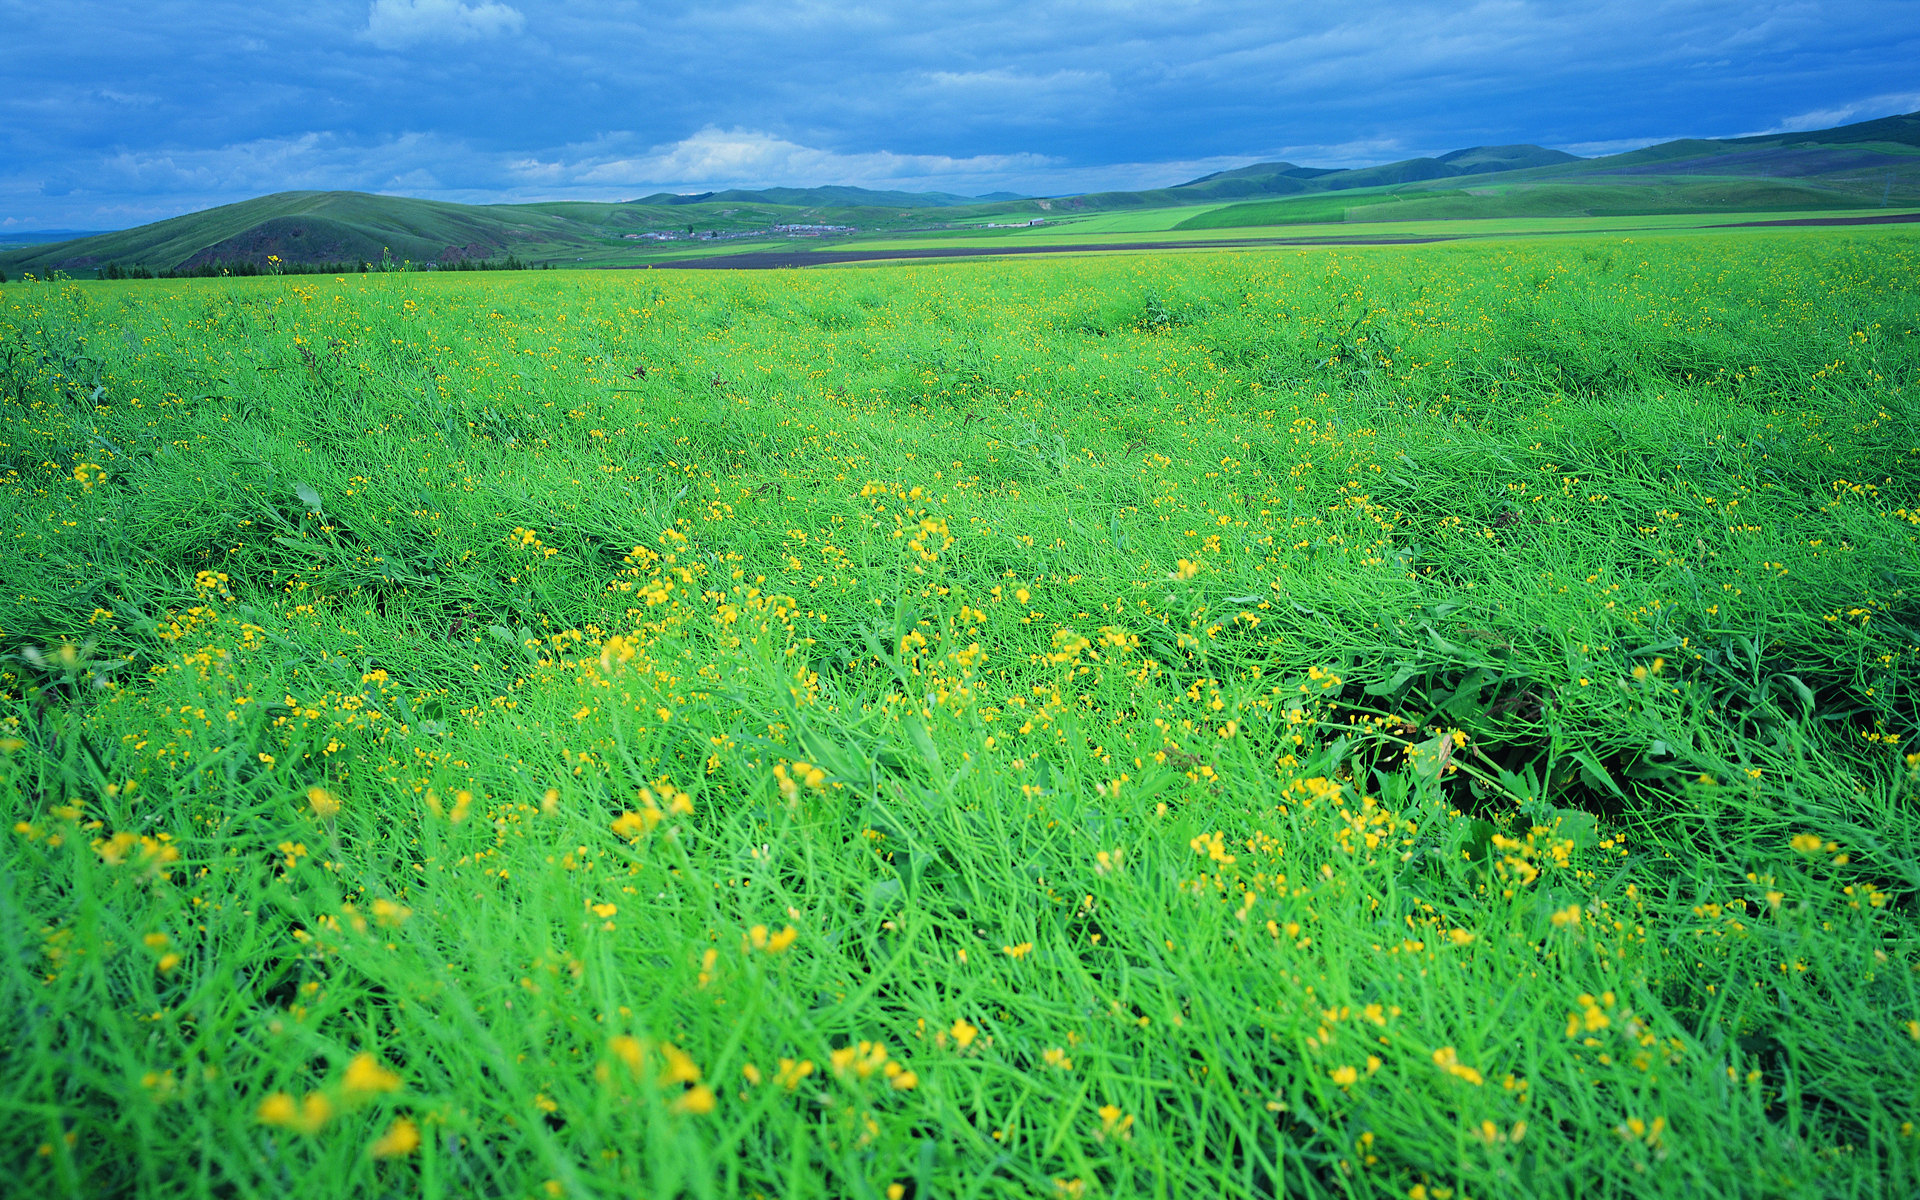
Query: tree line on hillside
x=206, y=270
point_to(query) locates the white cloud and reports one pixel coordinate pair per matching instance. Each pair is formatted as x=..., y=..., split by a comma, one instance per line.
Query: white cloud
x=322, y=160
x=1003, y=80
x=716, y=158
x=395, y=24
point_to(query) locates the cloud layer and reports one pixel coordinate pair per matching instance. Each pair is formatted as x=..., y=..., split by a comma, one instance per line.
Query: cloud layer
x=186, y=105
x=397, y=24
x=713, y=158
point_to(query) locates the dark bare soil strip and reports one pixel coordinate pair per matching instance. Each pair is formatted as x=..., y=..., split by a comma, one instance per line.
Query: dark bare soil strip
x=1888, y=219
x=773, y=259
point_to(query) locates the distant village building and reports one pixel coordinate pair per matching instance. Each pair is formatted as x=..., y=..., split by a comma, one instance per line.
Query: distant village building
x=809, y=229
x=1017, y=224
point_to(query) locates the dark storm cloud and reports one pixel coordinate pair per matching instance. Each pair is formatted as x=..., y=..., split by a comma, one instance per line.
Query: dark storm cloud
x=111, y=114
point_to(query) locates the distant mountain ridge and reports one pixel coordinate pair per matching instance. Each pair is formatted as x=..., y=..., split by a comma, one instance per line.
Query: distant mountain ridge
x=1862, y=165
x=1868, y=164
x=1285, y=178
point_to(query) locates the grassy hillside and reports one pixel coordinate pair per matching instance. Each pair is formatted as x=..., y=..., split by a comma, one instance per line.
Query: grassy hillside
x=1534, y=199
x=312, y=226
x=356, y=227
x=1288, y=179
x=1857, y=166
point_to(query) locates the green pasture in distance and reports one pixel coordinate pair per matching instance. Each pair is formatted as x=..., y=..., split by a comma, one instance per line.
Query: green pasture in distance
x=1152, y=220
x=1419, y=721
x=1732, y=224
x=1095, y=232
x=1739, y=224
x=1545, y=198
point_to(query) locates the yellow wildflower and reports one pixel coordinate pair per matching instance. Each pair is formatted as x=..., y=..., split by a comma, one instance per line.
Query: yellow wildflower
x=325, y=805
x=1449, y=1061
x=365, y=1074
x=628, y=1050
x=698, y=1100
x=680, y=1068
x=277, y=1109
x=401, y=1139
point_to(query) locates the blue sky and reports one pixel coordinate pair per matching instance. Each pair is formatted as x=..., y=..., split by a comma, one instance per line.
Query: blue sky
x=113, y=114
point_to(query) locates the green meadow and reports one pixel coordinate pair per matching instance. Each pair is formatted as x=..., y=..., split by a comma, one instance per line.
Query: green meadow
x=1707, y=200
x=1427, y=722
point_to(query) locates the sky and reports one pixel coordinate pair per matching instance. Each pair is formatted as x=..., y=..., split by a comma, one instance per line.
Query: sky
x=115, y=114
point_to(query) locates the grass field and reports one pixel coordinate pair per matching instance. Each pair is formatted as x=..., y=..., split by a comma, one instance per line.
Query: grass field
x=1152, y=220
x=1704, y=198
x=1167, y=225
x=1417, y=722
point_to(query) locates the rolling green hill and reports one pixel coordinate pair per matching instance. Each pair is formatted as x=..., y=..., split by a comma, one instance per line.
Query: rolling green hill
x=1546, y=198
x=1864, y=165
x=354, y=227
x=1288, y=179
x=310, y=227
x=1855, y=166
